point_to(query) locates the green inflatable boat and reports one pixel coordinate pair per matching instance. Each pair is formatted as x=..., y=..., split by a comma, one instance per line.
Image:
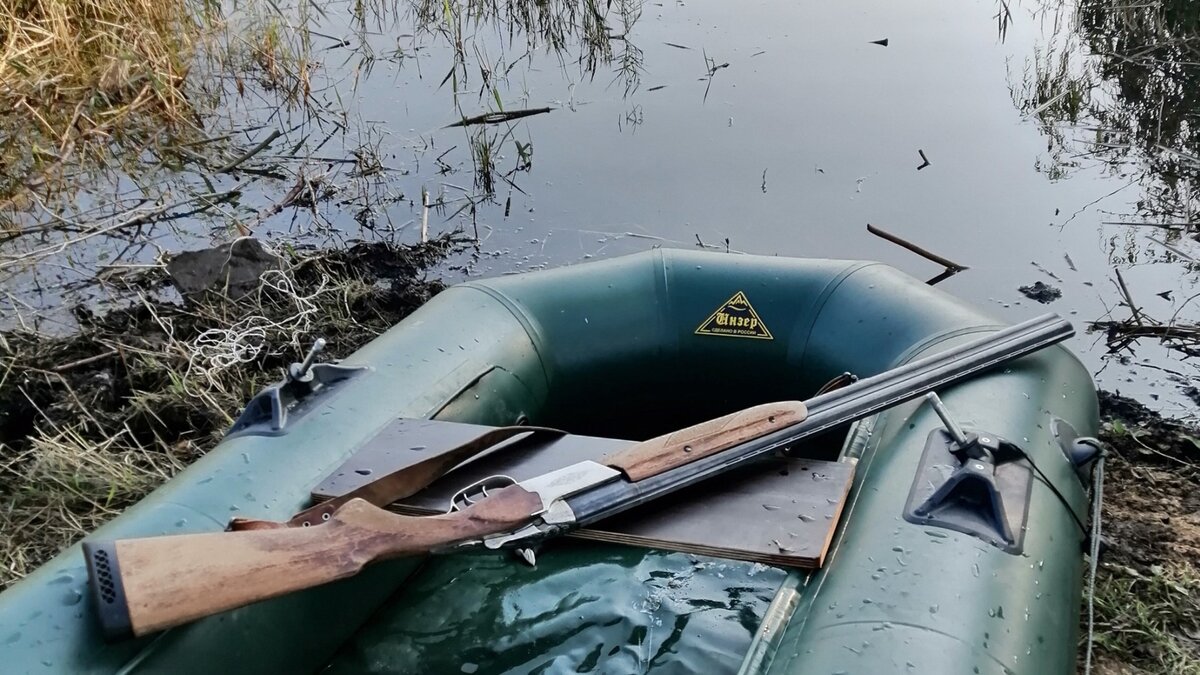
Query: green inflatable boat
x=629, y=348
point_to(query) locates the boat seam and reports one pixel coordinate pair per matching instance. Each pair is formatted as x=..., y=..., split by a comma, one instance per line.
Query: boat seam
x=822, y=300
x=536, y=340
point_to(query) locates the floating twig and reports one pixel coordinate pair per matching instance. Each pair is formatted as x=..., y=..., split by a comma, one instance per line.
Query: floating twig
x=1133, y=308
x=1174, y=249
x=266, y=142
x=1045, y=271
x=713, y=67
x=424, y=215
x=952, y=267
x=1163, y=226
x=498, y=117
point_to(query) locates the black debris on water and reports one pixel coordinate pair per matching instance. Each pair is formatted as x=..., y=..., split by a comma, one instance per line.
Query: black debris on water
x=1041, y=292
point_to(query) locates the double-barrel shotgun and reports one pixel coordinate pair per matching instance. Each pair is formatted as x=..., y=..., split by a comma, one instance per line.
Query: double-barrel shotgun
x=149, y=584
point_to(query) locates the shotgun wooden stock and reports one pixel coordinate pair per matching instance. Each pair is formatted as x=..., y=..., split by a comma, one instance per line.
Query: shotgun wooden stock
x=146, y=585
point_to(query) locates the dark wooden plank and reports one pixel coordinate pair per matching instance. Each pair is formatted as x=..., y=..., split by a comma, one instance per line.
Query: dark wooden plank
x=781, y=511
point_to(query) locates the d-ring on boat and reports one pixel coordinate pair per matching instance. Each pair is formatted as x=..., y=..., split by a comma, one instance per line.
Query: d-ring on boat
x=984, y=578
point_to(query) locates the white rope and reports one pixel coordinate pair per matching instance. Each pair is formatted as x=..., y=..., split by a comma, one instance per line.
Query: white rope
x=1094, y=554
x=218, y=349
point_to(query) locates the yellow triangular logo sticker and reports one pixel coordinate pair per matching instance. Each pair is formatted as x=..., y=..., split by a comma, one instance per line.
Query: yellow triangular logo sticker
x=735, y=318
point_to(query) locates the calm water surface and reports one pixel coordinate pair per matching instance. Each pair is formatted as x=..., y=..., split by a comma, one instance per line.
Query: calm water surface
x=759, y=126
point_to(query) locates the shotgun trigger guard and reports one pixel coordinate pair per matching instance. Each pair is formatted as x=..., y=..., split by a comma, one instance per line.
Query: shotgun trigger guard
x=478, y=490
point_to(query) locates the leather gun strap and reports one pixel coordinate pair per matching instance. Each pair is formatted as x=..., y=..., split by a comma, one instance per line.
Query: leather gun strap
x=402, y=482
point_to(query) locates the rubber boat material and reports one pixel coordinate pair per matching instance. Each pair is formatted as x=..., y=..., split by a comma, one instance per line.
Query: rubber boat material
x=629, y=348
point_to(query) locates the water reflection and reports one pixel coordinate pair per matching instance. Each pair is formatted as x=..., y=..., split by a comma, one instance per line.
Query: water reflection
x=1121, y=85
x=763, y=127
x=1118, y=86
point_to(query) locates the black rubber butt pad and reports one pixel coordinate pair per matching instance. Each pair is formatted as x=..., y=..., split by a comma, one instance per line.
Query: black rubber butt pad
x=108, y=593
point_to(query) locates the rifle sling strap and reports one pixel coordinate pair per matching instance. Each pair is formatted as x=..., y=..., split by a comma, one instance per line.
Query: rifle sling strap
x=403, y=482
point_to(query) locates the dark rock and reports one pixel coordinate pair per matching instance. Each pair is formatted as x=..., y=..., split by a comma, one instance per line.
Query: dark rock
x=1043, y=293
x=231, y=270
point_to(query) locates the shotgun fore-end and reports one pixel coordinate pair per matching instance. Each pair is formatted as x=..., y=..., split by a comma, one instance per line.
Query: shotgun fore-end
x=107, y=589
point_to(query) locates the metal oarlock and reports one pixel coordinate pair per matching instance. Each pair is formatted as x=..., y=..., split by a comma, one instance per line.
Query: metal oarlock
x=952, y=427
x=302, y=372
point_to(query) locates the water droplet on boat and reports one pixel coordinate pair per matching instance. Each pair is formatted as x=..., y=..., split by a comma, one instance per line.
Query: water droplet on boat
x=935, y=533
x=417, y=447
x=181, y=522
x=975, y=569
x=469, y=668
x=12, y=639
x=64, y=579
x=233, y=507
x=806, y=518
x=933, y=609
x=246, y=457
x=363, y=472
x=71, y=597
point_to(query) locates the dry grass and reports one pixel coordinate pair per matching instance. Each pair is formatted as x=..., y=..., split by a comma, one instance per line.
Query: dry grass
x=78, y=76
x=92, y=92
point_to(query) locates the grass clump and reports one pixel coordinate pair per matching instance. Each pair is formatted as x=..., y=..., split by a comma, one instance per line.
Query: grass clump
x=91, y=422
x=77, y=76
x=1148, y=621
